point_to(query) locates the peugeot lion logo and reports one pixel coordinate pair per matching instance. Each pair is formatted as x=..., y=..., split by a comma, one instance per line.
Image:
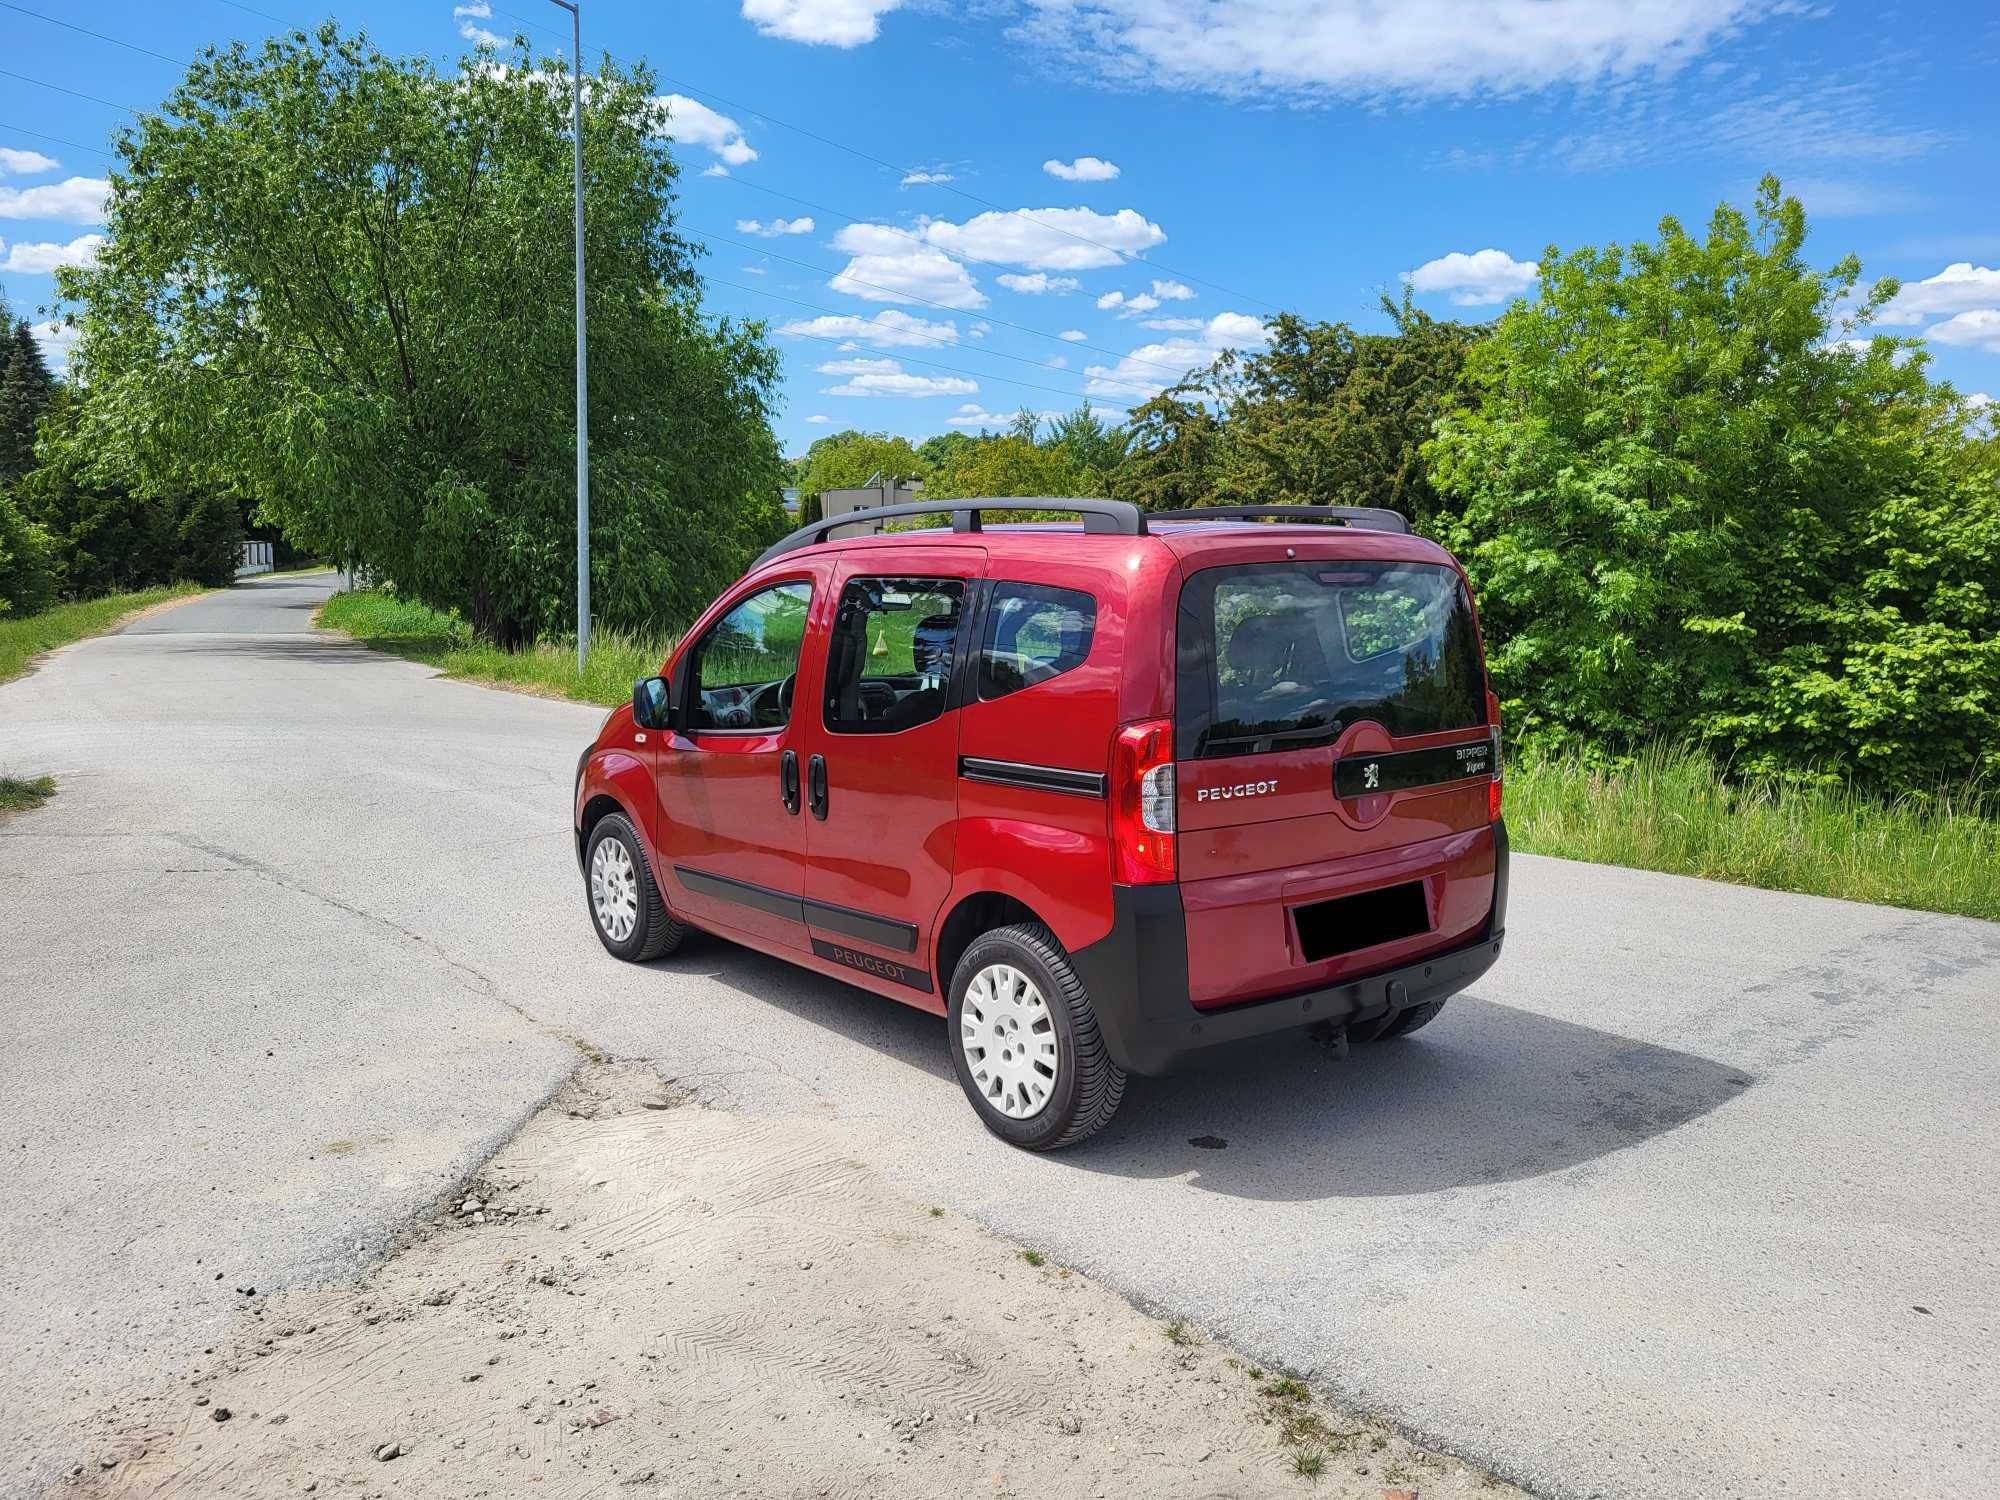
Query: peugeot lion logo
x=1371, y=776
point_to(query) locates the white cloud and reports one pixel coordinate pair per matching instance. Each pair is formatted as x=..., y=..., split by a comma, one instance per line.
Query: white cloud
x=776, y=227
x=22, y=163
x=35, y=260
x=1128, y=307
x=888, y=265
x=1977, y=329
x=74, y=200
x=888, y=329
x=819, y=420
x=55, y=342
x=1083, y=169
x=1049, y=239
x=1960, y=287
x=1060, y=362
x=832, y=23
x=1172, y=325
x=1151, y=368
x=972, y=414
x=695, y=123
x=1475, y=280
x=756, y=270
x=1036, y=282
x=1173, y=291
x=715, y=169
x=478, y=8
x=887, y=377
x=918, y=179
x=1073, y=335
x=980, y=329
x=1423, y=48
x=479, y=36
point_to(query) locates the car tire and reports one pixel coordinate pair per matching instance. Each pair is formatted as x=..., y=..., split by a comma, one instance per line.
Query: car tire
x=626, y=909
x=1079, y=1091
x=1413, y=1019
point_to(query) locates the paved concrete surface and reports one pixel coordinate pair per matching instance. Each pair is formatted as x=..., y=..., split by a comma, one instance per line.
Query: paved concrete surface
x=1696, y=1195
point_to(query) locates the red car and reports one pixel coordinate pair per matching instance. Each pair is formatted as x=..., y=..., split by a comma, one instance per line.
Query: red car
x=1103, y=794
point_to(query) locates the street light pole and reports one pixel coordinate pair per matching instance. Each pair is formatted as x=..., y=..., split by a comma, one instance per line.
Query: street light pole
x=582, y=374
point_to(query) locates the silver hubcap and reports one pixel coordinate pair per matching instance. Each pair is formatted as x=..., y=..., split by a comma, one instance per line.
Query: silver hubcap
x=1009, y=1040
x=614, y=889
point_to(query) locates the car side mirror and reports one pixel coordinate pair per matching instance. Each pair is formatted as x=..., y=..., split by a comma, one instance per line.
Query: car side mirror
x=652, y=708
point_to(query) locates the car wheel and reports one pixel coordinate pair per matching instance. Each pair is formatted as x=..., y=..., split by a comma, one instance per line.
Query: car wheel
x=1413, y=1019
x=1025, y=1042
x=626, y=908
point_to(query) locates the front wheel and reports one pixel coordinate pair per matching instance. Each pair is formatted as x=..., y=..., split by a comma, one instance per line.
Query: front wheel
x=1026, y=1044
x=626, y=907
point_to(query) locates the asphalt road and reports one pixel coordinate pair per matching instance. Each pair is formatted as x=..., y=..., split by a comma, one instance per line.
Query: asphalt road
x=1696, y=1195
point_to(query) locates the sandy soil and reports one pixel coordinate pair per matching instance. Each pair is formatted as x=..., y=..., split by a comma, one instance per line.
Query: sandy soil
x=658, y=1298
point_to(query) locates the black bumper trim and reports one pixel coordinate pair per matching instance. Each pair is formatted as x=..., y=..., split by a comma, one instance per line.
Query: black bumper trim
x=1136, y=977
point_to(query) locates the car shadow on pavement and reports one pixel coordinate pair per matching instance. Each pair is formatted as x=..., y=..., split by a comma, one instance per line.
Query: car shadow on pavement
x=1486, y=1093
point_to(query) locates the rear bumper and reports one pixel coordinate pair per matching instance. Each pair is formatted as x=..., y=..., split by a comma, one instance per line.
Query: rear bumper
x=1137, y=980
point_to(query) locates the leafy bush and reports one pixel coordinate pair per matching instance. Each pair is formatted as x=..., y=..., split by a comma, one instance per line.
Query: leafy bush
x=27, y=579
x=1689, y=512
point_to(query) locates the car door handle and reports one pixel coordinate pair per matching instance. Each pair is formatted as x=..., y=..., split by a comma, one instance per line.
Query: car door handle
x=788, y=781
x=816, y=785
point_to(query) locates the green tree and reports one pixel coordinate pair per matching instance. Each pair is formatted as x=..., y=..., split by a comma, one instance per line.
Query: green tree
x=1689, y=511
x=847, y=460
x=339, y=282
x=1014, y=465
x=1173, y=459
x=1089, y=441
x=25, y=390
x=1325, y=415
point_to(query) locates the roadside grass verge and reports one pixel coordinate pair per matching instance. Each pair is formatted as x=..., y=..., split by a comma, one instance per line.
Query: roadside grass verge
x=25, y=637
x=18, y=794
x=1673, y=810
x=380, y=619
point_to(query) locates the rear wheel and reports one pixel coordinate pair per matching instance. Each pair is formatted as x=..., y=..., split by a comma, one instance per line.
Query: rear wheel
x=1413, y=1019
x=1025, y=1042
x=626, y=908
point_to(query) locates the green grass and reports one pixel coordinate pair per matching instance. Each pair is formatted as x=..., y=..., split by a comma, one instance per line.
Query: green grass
x=1673, y=810
x=18, y=795
x=445, y=642
x=24, y=637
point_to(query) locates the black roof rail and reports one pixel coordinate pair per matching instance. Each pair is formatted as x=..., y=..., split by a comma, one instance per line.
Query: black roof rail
x=1369, y=517
x=1100, y=517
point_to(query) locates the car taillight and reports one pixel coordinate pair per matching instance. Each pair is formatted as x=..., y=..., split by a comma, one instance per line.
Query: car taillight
x=1142, y=803
x=1493, y=728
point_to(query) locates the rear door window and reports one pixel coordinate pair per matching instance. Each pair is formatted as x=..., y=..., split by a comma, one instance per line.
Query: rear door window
x=1282, y=656
x=1033, y=633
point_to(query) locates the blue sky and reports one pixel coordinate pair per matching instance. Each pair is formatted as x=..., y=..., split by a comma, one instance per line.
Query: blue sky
x=951, y=211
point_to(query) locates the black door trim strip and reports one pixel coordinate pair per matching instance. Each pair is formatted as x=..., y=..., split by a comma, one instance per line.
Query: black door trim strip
x=883, y=932
x=1401, y=771
x=743, y=893
x=1034, y=778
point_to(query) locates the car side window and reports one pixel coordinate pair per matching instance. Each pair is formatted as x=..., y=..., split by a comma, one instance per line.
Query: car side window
x=889, y=659
x=1033, y=633
x=746, y=665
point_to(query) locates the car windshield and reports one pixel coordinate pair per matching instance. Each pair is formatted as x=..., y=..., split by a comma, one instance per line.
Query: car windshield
x=1277, y=656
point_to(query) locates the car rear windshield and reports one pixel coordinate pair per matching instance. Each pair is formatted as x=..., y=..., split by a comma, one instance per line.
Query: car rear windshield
x=1280, y=656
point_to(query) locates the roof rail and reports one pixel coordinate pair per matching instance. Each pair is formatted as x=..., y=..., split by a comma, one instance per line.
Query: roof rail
x=1369, y=517
x=1100, y=517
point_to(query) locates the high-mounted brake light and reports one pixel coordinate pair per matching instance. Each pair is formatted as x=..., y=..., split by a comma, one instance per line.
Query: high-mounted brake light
x=1493, y=728
x=1142, y=803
